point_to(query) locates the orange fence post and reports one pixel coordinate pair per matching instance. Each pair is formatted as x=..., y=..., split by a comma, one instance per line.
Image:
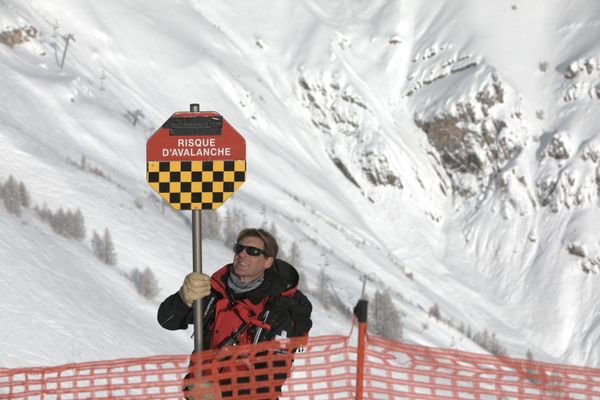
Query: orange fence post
x=360, y=311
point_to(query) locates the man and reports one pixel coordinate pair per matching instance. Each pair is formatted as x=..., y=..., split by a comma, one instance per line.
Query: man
x=251, y=300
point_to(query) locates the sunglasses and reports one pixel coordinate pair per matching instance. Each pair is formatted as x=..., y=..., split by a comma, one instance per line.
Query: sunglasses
x=250, y=250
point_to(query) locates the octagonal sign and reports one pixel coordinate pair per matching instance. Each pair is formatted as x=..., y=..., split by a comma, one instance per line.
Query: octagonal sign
x=196, y=160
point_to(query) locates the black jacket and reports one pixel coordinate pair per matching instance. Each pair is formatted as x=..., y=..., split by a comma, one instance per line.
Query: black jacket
x=287, y=310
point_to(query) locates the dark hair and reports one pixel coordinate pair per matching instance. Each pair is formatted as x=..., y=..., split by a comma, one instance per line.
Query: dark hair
x=271, y=247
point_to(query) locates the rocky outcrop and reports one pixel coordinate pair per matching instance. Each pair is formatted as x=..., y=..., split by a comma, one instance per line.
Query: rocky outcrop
x=444, y=63
x=13, y=37
x=351, y=131
x=590, y=264
x=569, y=173
x=471, y=139
x=582, y=80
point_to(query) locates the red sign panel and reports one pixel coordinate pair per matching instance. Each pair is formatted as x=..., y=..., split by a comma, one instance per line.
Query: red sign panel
x=196, y=136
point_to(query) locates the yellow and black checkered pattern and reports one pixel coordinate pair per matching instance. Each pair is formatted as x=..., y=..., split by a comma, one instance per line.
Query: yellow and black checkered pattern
x=193, y=185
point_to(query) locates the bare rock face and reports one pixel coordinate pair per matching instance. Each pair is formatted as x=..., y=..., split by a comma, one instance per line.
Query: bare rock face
x=473, y=138
x=376, y=169
x=582, y=66
x=568, y=174
x=479, y=138
x=483, y=141
x=581, y=80
x=589, y=262
x=353, y=137
x=559, y=148
x=13, y=37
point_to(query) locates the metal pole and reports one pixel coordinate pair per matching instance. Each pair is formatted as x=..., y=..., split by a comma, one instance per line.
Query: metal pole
x=362, y=295
x=197, y=250
x=67, y=38
x=361, y=312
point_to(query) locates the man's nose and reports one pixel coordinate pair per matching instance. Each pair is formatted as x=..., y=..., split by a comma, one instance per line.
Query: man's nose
x=244, y=252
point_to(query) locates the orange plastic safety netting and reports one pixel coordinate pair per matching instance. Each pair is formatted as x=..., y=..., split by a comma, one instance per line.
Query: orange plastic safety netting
x=403, y=371
x=323, y=368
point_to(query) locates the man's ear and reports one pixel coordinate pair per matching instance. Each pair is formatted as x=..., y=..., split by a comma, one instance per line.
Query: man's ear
x=269, y=262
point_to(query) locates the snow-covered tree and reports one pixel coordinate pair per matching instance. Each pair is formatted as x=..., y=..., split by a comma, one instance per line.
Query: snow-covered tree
x=529, y=355
x=58, y=222
x=263, y=214
x=235, y=221
x=384, y=318
x=77, y=225
x=490, y=342
x=434, y=311
x=273, y=231
x=282, y=254
x=322, y=291
x=109, y=249
x=302, y=282
x=296, y=260
x=70, y=224
x=97, y=245
x=211, y=225
x=145, y=282
x=294, y=256
x=45, y=213
x=103, y=247
x=12, y=196
x=24, y=197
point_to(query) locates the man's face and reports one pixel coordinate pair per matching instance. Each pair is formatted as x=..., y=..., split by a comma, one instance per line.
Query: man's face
x=248, y=267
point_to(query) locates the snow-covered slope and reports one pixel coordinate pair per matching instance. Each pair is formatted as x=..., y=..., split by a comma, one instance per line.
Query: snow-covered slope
x=446, y=149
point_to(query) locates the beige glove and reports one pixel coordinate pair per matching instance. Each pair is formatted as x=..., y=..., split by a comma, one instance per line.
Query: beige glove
x=195, y=286
x=209, y=396
x=212, y=395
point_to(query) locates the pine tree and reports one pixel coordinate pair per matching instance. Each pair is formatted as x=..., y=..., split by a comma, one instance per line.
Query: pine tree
x=145, y=283
x=273, y=232
x=78, y=226
x=110, y=256
x=235, y=221
x=281, y=253
x=24, y=198
x=295, y=257
x=241, y=219
x=322, y=289
x=11, y=196
x=263, y=213
x=529, y=355
x=302, y=282
x=59, y=222
x=98, y=246
x=296, y=260
x=45, y=213
x=211, y=225
x=489, y=342
x=495, y=347
x=532, y=372
x=434, y=311
x=384, y=318
x=70, y=224
x=103, y=247
x=229, y=227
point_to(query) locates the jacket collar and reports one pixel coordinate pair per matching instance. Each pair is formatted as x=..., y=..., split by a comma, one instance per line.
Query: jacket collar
x=280, y=280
